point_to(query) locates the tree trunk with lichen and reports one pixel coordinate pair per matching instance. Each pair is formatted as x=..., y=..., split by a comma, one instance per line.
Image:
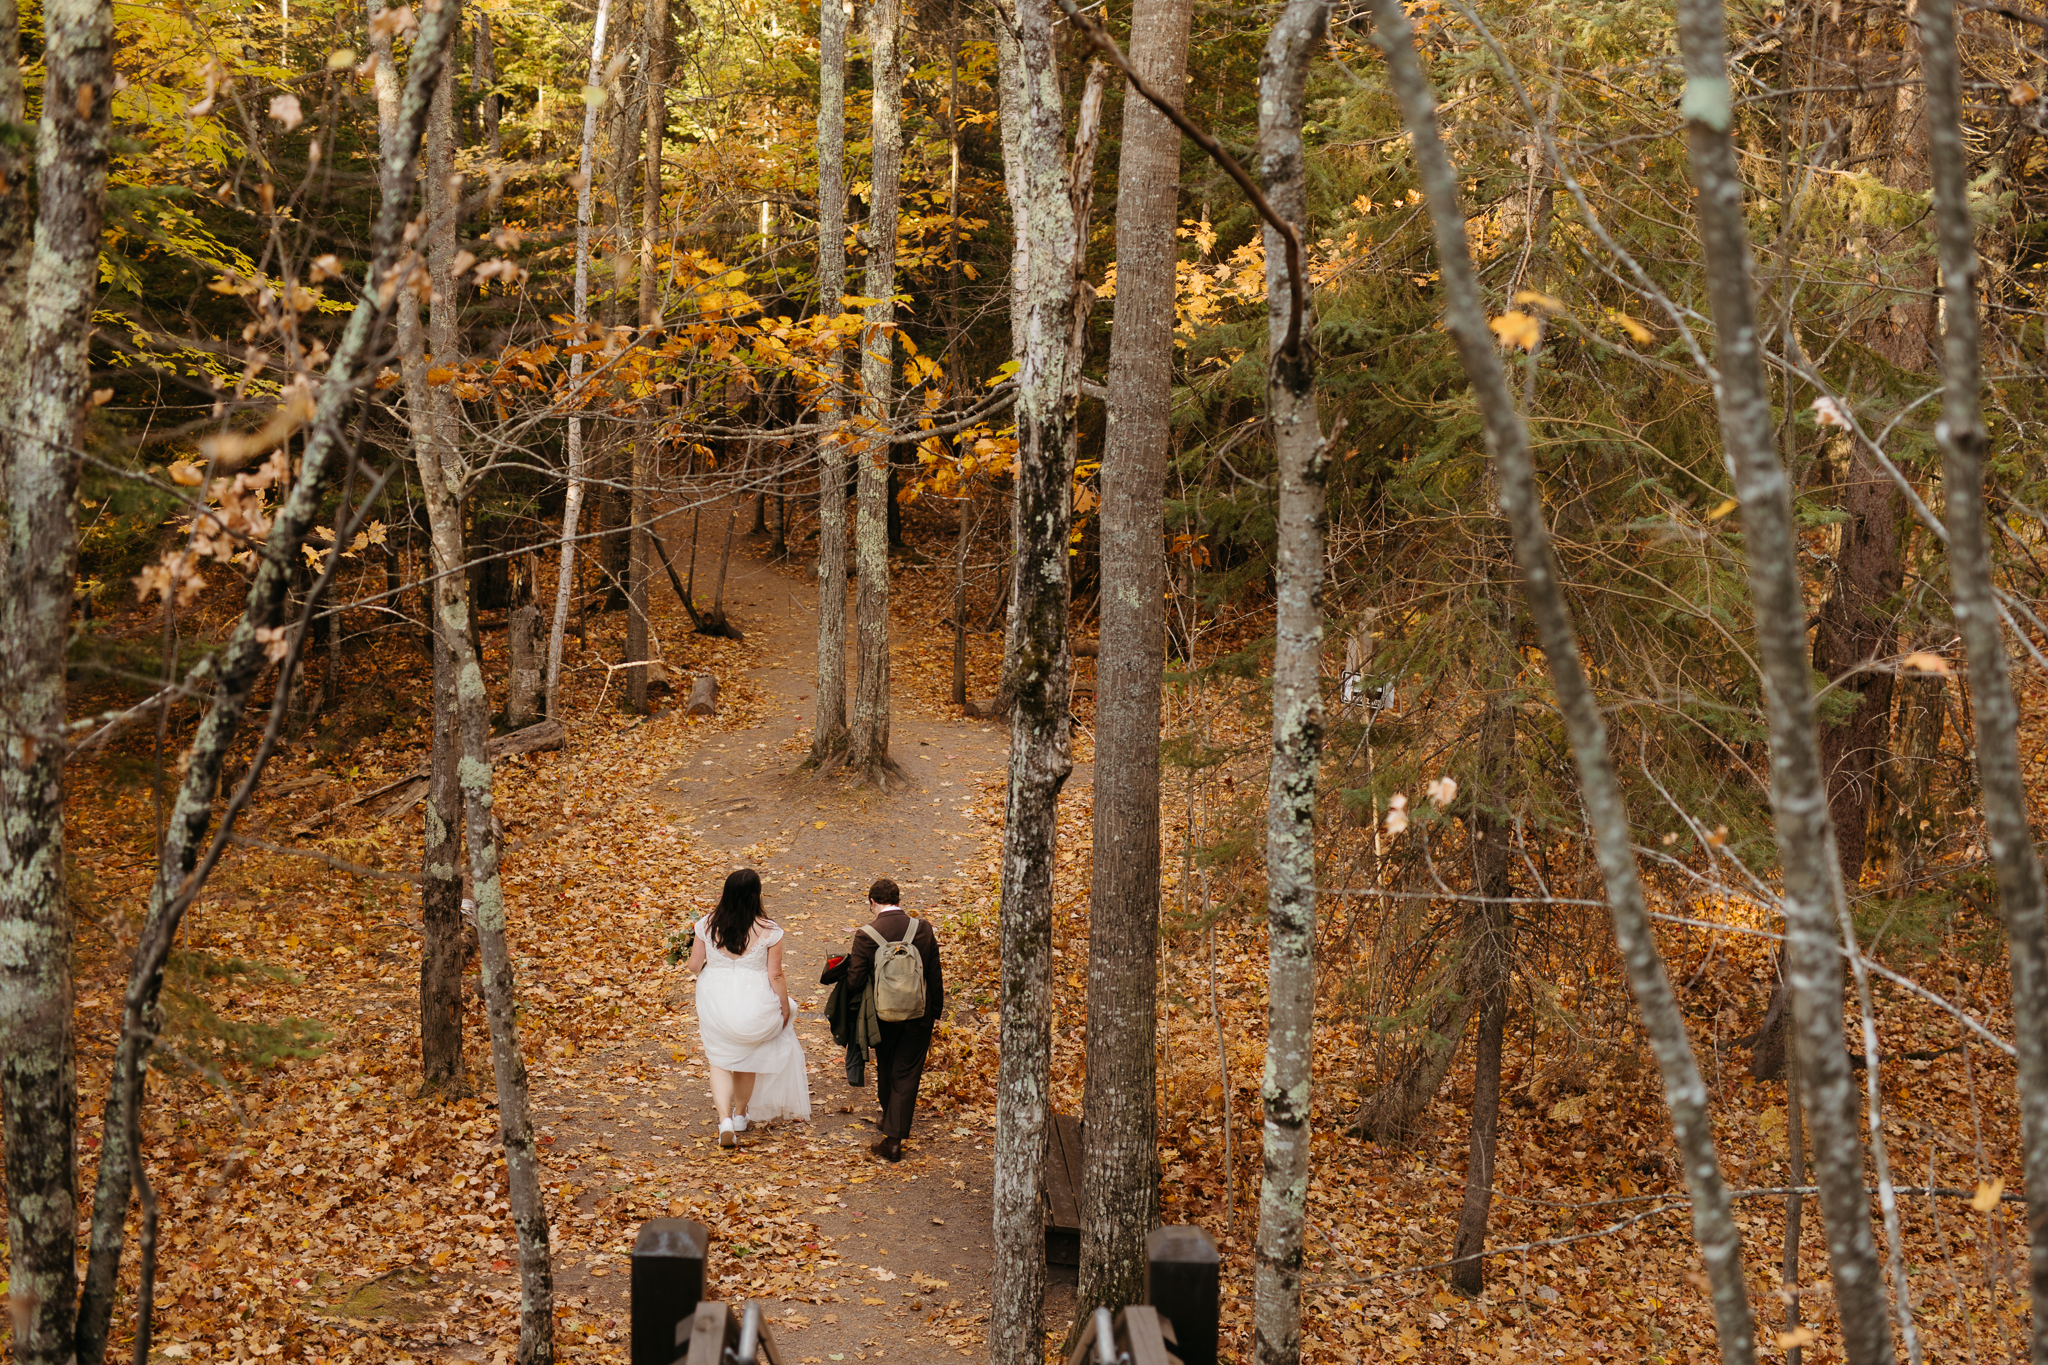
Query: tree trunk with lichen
x=577, y=466
x=1045, y=303
x=1799, y=791
x=1507, y=438
x=432, y=415
x=444, y=476
x=1297, y=704
x=829, y=736
x=2022, y=892
x=869, y=751
x=190, y=845
x=47, y=290
x=639, y=635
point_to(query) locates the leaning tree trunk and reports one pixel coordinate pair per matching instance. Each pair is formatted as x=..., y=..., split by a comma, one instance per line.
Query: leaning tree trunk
x=1049, y=204
x=1120, y=1172
x=1973, y=596
x=1392, y=1112
x=1297, y=697
x=49, y=311
x=1685, y=1093
x=187, y=855
x=869, y=752
x=828, y=732
x=572, y=499
x=1806, y=843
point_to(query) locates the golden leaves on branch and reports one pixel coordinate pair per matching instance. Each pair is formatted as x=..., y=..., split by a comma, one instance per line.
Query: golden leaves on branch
x=233, y=447
x=238, y=517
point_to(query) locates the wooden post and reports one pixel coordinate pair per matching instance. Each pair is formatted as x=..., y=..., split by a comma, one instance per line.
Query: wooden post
x=1181, y=1270
x=668, y=1282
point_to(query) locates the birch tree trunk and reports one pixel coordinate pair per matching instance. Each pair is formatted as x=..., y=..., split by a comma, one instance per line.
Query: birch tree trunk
x=442, y=951
x=1973, y=599
x=443, y=481
x=187, y=854
x=434, y=417
x=617, y=286
x=441, y=948
x=1297, y=701
x=50, y=309
x=572, y=499
x=869, y=752
x=1120, y=1174
x=1685, y=1093
x=1048, y=206
x=828, y=732
x=1809, y=870
x=641, y=502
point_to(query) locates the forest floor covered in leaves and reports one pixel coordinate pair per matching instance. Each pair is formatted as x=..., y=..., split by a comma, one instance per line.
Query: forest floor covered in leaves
x=313, y=1208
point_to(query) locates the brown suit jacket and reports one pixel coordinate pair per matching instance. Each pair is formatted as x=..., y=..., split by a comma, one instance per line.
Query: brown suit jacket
x=890, y=924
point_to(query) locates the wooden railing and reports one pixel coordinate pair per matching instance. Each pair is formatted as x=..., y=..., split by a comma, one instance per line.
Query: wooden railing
x=674, y=1324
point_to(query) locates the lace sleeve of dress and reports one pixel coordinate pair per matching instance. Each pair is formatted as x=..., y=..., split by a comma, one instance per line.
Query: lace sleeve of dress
x=771, y=933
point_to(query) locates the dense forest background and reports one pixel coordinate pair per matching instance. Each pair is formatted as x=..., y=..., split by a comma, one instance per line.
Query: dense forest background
x=381, y=473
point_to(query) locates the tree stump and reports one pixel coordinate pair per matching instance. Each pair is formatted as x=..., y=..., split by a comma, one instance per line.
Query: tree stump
x=522, y=705
x=703, y=696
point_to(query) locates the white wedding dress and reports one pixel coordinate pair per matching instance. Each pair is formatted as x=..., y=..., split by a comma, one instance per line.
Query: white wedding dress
x=739, y=1019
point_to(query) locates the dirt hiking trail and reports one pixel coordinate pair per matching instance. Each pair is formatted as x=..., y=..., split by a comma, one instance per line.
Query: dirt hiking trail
x=879, y=1262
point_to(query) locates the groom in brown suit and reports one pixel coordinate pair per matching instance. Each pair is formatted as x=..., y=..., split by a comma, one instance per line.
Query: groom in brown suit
x=900, y=1053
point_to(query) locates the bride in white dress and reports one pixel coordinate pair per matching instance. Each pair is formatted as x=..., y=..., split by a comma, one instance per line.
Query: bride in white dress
x=743, y=1013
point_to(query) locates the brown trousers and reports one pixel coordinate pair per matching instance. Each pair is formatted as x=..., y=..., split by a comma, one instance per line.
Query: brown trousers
x=899, y=1067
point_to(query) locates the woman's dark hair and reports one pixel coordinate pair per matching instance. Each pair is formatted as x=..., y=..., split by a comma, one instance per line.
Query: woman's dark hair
x=732, y=922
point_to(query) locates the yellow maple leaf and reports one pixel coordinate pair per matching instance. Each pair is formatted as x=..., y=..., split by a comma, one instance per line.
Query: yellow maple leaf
x=1639, y=334
x=1518, y=329
x=1988, y=1193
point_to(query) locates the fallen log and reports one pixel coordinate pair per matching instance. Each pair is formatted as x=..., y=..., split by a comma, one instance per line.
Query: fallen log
x=534, y=739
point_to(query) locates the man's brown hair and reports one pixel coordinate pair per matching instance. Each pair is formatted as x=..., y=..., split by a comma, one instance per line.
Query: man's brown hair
x=884, y=892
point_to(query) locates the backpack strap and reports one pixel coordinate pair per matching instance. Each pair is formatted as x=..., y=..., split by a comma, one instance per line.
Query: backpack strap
x=869, y=930
x=911, y=932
